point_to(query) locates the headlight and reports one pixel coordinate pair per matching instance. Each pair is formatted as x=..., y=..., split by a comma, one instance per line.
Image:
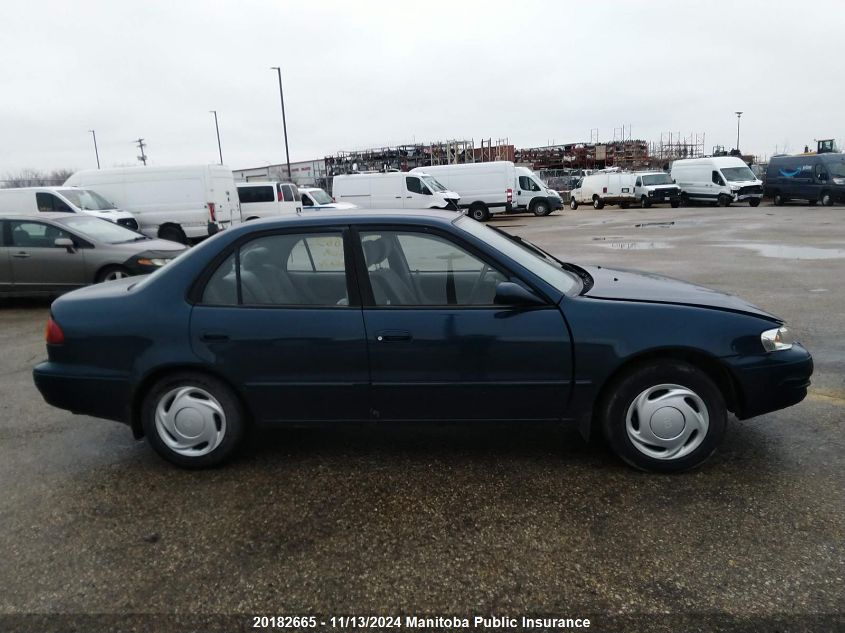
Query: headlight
x=144, y=261
x=839, y=181
x=777, y=339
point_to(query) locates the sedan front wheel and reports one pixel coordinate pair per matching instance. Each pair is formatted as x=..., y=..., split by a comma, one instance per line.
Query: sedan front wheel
x=665, y=416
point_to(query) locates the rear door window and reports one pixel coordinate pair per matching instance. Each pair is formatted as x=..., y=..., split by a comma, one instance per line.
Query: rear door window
x=256, y=194
x=287, y=193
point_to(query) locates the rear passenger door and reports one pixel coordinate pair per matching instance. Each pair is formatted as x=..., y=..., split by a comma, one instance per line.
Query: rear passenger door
x=280, y=319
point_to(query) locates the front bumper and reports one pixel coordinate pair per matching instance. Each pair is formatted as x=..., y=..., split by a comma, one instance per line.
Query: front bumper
x=78, y=391
x=555, y=203
x=768, y=382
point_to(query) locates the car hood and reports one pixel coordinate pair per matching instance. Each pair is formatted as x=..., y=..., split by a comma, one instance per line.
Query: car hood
x=165, y=247
x=633, y=285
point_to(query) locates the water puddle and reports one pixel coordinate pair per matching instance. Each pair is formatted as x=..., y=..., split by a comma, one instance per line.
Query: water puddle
x=636, y=246
x=786, y=251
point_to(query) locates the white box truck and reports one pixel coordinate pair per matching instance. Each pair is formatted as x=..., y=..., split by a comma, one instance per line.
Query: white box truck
x=182, y=204
x=484, y=188
x=393, y=190
x=604, y=187
x=34, y=200
x=717, y=179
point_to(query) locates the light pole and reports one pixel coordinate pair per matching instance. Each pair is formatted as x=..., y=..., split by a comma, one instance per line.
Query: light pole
x=217, y=127
x=96, y=151
x=284, y=123
x=738, y=115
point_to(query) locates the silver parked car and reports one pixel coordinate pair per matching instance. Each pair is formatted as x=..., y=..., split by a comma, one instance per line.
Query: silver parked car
x=56, y=252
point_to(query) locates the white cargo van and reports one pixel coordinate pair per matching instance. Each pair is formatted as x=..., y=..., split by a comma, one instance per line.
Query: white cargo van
x=183, y=204
x=533, y=195
x=655, y=187
x=484, y=188
x=604, y=187
x=717, y=179
x=26, y=200
x=394, y=190
x=268, y=199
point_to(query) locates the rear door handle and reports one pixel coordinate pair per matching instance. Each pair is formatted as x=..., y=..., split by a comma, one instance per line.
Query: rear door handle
x=391, y=336
x=21, y=255
x=215, y=336
x=397, y=197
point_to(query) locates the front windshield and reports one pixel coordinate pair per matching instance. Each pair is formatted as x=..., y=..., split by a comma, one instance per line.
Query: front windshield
x=320, y=196
x=837, y=170
x=543, y=266
x=433, y=184
x=87, y=200
x=101, y=230
x=657, y=179
x=738, y=174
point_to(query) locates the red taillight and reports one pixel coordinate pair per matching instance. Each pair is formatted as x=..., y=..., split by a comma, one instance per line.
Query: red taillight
x=53, y=333
x=281, y=198
x=333, y=200
x=210, y=206
x=510, y=194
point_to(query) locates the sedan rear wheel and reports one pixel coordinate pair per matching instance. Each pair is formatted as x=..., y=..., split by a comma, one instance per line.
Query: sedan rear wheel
x=193, y=420
x=665, y=416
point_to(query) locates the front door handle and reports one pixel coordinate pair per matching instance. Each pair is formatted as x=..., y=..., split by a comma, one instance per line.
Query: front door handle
x=21, y=255
x=398, y=197
x=215, y=336
x=391, y=336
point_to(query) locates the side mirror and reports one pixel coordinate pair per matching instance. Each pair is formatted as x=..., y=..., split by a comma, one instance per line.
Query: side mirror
x=66, y=243
x=511, y=294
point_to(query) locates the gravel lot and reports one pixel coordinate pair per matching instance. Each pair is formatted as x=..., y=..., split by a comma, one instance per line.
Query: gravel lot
x=437, y=520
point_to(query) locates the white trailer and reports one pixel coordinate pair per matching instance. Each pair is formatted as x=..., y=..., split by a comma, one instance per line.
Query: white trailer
x=182, y=204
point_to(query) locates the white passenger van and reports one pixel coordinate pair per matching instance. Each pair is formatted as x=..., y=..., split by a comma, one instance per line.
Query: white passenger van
x=183, y=203
x=268, y=199
x=394, y=190
x=604, y=187
x=26, y=200
x=484, y=188
x=717, y=179
x=533, y=195
x=655, y=187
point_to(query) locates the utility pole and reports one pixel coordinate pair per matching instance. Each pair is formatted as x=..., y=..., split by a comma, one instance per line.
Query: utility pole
x=217, y=127
x=738, y=115
x=141, y=145
x=284, y=123
x=96, y=151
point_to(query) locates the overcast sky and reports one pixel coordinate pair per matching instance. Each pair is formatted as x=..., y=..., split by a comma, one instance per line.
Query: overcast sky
x=359, y=74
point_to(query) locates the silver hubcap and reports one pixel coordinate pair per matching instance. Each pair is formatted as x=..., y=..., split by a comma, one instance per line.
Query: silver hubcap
x=116, y=274
x=667, y=421
x=190, y=421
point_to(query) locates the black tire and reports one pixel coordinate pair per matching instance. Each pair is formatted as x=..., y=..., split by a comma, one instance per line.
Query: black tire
x=573, y=204
x=723, y=200
x=172, y=233
x=826, y=199
x=235, y=418
x=684, y=200
x=778, y=199
x=478, y=211
x=540, y=208
x=627, y=388
x=644, y=203
x=110, y=273
x=251, y=218
x=754, y=202
x=674, y=203
x=598, y=203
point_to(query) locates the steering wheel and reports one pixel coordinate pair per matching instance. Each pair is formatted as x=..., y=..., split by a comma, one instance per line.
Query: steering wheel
x=477, y=285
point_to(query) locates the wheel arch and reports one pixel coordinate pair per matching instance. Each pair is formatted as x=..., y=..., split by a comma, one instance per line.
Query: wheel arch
x=712, y=367
x=152, y=377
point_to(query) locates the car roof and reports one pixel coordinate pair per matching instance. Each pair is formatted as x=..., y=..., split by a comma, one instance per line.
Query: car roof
x=429, y=217
x=42, y=215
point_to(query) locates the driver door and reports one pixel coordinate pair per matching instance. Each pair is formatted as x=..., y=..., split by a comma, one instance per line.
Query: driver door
x=440, y=349
x=417, y=194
